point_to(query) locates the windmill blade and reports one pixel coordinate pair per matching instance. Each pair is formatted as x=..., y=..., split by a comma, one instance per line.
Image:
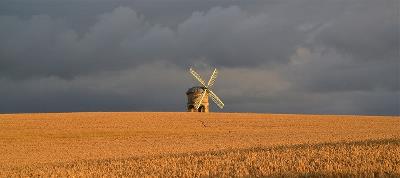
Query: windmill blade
x=216, y=100
x=197, y=76
x=212, y=78
x=198, y=103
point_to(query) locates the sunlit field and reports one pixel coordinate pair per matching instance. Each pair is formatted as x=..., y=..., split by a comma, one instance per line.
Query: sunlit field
x=198, y=144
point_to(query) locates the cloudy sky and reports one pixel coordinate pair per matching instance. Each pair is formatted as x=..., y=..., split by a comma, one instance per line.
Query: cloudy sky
x=273, y=56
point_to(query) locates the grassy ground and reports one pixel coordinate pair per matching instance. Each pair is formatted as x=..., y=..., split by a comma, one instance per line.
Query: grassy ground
x=376, y=158
x=192, y=144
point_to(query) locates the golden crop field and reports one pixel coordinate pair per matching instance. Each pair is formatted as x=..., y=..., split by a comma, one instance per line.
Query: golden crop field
x=197, y=144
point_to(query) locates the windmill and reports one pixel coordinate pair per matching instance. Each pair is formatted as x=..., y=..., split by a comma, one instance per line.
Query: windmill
x=198, y=96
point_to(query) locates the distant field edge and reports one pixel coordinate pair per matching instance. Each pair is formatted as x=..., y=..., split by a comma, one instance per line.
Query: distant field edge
x=183, y=112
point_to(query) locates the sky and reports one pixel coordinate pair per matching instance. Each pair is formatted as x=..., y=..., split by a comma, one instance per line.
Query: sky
x=273, y=56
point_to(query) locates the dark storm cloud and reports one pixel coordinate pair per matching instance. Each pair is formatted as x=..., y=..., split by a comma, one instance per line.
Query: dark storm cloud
x=148, y=87
x=369, y=31
x=322, y=70
x=275, y=56
x=221, y=36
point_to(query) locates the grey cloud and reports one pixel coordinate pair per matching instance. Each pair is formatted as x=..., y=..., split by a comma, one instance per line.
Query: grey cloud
x=122, y=38
x=152, y=85
x=307, y=56
x=367, y=30
x=322, y=70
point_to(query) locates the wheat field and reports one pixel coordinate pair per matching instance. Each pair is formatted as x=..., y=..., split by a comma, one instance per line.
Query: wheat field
x=128, y=144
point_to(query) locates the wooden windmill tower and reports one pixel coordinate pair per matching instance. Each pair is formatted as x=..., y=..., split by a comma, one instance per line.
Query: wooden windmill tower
x=198, y=95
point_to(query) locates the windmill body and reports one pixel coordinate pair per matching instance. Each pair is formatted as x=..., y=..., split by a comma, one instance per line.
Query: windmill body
x=194, y=95
x=198, y=95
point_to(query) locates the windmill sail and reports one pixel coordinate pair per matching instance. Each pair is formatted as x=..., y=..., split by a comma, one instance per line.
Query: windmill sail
x=212, y=78
x=216, y=100
x=206, y=89
x=197, y=76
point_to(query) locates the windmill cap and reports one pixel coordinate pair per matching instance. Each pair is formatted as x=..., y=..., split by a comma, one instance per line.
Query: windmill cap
x=196, y=89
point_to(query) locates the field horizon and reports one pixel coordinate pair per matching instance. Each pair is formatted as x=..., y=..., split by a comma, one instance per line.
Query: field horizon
x=197, y=144
x=213, y=112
